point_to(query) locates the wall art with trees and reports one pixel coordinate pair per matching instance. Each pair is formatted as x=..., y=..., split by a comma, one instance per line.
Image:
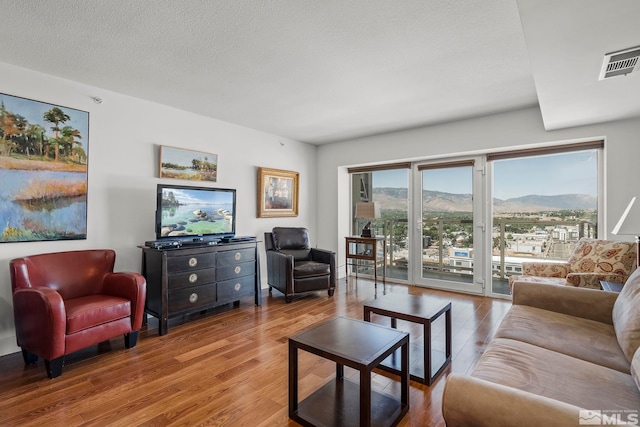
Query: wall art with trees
x=43, y=171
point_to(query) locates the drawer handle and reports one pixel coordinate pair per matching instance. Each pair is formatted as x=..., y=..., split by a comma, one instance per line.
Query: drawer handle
x=237, y=269
x=193, y=262
x=237, y=256
x=193, y=298
x=193, y=278
x=237, y=286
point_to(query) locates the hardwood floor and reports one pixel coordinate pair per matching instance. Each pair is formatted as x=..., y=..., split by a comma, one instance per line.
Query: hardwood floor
x=229, y=367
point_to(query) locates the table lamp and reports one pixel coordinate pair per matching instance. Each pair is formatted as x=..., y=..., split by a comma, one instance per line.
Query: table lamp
x=369, y=211
x=629, y=224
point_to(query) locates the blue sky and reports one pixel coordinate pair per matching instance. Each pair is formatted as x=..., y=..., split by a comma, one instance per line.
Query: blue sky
x=569, y=173
x=184, y=157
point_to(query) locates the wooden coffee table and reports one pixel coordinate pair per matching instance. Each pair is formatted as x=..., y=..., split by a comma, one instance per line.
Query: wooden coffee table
x=359, y=345
x=426, y=364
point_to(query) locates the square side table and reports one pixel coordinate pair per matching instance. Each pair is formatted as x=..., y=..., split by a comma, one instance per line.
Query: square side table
x=359, y=345
x=423, y=310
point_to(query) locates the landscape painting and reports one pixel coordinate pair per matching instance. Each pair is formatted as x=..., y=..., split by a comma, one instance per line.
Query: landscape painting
x=187, y=164
x=43, y=171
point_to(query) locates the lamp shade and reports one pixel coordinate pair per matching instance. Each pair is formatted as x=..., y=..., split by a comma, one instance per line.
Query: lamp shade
x=629, y=222
x=367, y=210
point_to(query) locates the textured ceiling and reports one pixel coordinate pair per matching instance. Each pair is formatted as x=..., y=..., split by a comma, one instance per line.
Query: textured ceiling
x=567, y=41
x=314, y=71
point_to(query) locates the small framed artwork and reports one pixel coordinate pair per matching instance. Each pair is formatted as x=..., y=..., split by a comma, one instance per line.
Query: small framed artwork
x=191, y=165
x=277, y=193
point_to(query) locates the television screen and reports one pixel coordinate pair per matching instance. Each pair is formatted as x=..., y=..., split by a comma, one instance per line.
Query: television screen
x=187, y=211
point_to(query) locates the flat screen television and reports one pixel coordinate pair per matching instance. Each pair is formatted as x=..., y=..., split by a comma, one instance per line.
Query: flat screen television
x=189, y=213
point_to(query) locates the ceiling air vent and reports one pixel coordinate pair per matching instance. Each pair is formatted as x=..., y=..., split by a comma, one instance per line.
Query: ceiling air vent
x=620, y=63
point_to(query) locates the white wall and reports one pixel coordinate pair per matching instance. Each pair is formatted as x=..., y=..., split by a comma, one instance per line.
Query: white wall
x=513, y=129
x=124, y=135
x=123, y=156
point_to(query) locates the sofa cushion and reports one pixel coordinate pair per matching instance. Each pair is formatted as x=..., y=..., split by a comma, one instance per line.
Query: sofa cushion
x=577, y=337
x=87, y=312
x=557, y=376
x=603, y=256
x=561, y=281
x=635, y=368
x=304, y=269
x=626, y=316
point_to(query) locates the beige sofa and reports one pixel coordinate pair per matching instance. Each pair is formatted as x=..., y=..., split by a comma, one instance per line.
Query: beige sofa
x=559, y=352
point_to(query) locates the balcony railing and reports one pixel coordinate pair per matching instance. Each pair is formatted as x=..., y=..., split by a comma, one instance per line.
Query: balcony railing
x=559, y=240
x=515, y=240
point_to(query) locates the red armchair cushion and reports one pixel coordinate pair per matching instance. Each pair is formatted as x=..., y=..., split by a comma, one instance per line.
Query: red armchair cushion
x=87, y=312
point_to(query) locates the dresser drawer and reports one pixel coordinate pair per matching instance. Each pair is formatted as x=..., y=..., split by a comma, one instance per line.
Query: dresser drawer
x=233, y=271
x=190, y=262
x=233, y=257
x=191, y=298
x=233, y=290
x=191, y=278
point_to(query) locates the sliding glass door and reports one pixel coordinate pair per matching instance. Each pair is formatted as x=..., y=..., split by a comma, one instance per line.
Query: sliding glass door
x=450, y=246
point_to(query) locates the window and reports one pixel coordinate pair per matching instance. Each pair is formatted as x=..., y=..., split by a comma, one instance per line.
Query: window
x=544, y=201
x=388, y=187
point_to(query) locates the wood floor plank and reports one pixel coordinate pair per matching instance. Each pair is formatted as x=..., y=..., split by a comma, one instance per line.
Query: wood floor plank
x=229, y=367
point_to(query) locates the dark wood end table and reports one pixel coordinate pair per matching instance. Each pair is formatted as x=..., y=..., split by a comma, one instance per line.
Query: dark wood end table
x=366, y=249
x=359, y=345
x=426, y=364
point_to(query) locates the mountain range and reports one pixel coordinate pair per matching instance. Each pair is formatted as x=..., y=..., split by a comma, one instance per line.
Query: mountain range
x=437, y=201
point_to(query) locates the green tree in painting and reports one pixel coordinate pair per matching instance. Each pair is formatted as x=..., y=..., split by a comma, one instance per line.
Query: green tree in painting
x=34, y=140
x=9, y=128
x=80, y=154
x=19, y=137
x=202, y=166
x=69, y=136
x=56, y=116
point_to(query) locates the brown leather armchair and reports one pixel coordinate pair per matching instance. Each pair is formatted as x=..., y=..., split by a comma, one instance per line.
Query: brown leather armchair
x=66, y=301
x=294, y=267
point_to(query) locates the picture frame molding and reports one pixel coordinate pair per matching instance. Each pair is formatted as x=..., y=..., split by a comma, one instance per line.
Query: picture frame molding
x=264, y=175
x=55, y=165
x=163, y=156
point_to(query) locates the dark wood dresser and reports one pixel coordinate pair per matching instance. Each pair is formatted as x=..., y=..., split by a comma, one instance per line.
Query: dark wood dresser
x=187, y=280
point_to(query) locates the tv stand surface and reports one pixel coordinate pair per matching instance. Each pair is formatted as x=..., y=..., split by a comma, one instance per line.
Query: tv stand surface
x=191, y=279
x=236, y=239
x=198, y=243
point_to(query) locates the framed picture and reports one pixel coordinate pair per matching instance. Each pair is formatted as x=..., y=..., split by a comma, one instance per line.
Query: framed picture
x=43, y=171
x=277, y=193
x=187, y=164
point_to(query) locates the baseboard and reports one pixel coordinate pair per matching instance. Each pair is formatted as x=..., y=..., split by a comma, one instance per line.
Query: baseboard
x=8, y=345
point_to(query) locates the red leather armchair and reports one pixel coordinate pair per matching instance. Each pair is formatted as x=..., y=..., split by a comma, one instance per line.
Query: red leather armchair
x=66, y=301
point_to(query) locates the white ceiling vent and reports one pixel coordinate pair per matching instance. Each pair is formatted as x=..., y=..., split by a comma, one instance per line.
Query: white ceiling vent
x=620, y=63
